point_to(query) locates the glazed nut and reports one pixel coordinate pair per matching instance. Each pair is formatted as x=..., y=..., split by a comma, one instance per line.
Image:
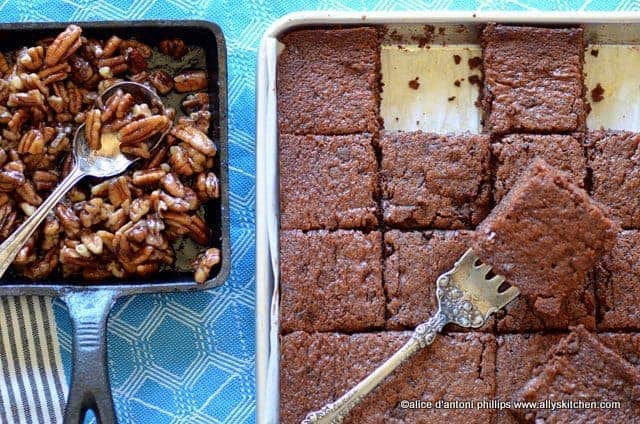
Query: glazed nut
x=136, y=60
x=139, y=208
x=125, y=104
x=172, y=185
x=64, y=45
x=207, y=186
x=33, y=81
x=140, y=151
x=27, y=209
x=92, y=128
x=141, y=110
x=4, y=66
x=27, y=192
x=55, y=73
x=194, y=138
x=144, y=49
x=56, y=103
x=32, y=58
x=18, y=119
x=204, y=263
x=32, y=142
x=28, y=99
x=174, y=47
x=119, y=191
x=90, y=212
x=42, y=268
x=195, y=101
x=161, y=81
x=111, y=105
x=68, y=218
x=190, y=81
x=8, y=217
x=93, y=243
x=117, y=219
x=81, y=70
x=111, y=46
x=27, y=253
x=143, y=129
x=116, y=65
x=45, y=180
x=179, y=161
x=70, y=256
x=148, y=177
x=76, y=97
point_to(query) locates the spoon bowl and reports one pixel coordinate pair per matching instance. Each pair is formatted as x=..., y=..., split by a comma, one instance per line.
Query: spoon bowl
x=108, y=166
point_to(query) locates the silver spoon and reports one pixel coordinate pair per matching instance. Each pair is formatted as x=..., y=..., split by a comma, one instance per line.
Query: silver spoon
x=86, y=163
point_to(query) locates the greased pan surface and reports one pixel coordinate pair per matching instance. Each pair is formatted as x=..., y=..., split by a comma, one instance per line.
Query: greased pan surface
x=89, y=305
x=600, y=29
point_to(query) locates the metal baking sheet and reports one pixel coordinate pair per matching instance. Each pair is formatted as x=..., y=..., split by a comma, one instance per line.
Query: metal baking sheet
x=429, y=107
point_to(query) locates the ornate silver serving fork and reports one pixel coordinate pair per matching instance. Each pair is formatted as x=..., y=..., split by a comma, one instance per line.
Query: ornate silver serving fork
x=466, y=297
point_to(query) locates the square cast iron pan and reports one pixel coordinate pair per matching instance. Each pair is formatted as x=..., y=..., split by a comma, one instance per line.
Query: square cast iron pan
x=89, y=305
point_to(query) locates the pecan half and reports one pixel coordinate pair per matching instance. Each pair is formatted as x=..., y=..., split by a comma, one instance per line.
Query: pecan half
x=204, y=263
x=207, y=186
x=174, y=47
x=30, y=98
x=42, y=268
x=92, y=128
x=68, y=218
x=190, y=81
x=148, y=177
x=64, y=45
x=45, y=180
x=32, y=58
x=111, y=46
x=143, y=129
x=125, y=104
x=119, y=191
x=195, y=101
x=195, y=138
x=27, y=192
x=161, y=81
x=31, y=142
x=54, y=73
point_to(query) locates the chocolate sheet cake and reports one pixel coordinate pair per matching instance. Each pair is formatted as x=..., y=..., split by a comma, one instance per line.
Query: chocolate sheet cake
x=533, y=80
x=331, y=281
x=370, y=218
x=617, y=279
x=323, y=366
x=544, y=236
x=328, y=81
x=614, y=160
x=513, y=154
x=327, y=182
x=578, y=368
x=434, y=181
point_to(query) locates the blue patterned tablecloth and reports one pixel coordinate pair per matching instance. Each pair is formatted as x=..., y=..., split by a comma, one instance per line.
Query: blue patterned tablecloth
x=190, y=358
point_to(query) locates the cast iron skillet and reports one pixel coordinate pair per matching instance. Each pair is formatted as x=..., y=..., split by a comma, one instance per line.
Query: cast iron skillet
x=89, y=305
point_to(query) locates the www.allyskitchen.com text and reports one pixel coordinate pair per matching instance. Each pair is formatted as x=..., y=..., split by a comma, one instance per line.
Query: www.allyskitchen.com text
x=502, y=404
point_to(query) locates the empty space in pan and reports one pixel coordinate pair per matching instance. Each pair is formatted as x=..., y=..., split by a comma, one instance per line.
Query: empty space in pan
x=428, y=82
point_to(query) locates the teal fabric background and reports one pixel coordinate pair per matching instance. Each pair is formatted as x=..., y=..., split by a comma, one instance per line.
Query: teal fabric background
x=190, y=358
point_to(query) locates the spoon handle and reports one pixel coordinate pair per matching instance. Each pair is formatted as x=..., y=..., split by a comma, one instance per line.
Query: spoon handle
x=12, y=245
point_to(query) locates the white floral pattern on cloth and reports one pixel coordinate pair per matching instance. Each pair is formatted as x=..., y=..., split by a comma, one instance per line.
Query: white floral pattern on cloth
x=190, y=358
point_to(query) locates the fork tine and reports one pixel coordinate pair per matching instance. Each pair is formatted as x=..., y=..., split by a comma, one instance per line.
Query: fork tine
x=483, y=269
x=469, y=258
x=496, y=281
x=507, y=296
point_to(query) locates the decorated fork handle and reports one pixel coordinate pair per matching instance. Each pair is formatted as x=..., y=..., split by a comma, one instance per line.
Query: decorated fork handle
x=423, y=335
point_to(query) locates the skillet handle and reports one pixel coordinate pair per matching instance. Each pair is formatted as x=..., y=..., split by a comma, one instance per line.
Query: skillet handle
x=90, y=388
